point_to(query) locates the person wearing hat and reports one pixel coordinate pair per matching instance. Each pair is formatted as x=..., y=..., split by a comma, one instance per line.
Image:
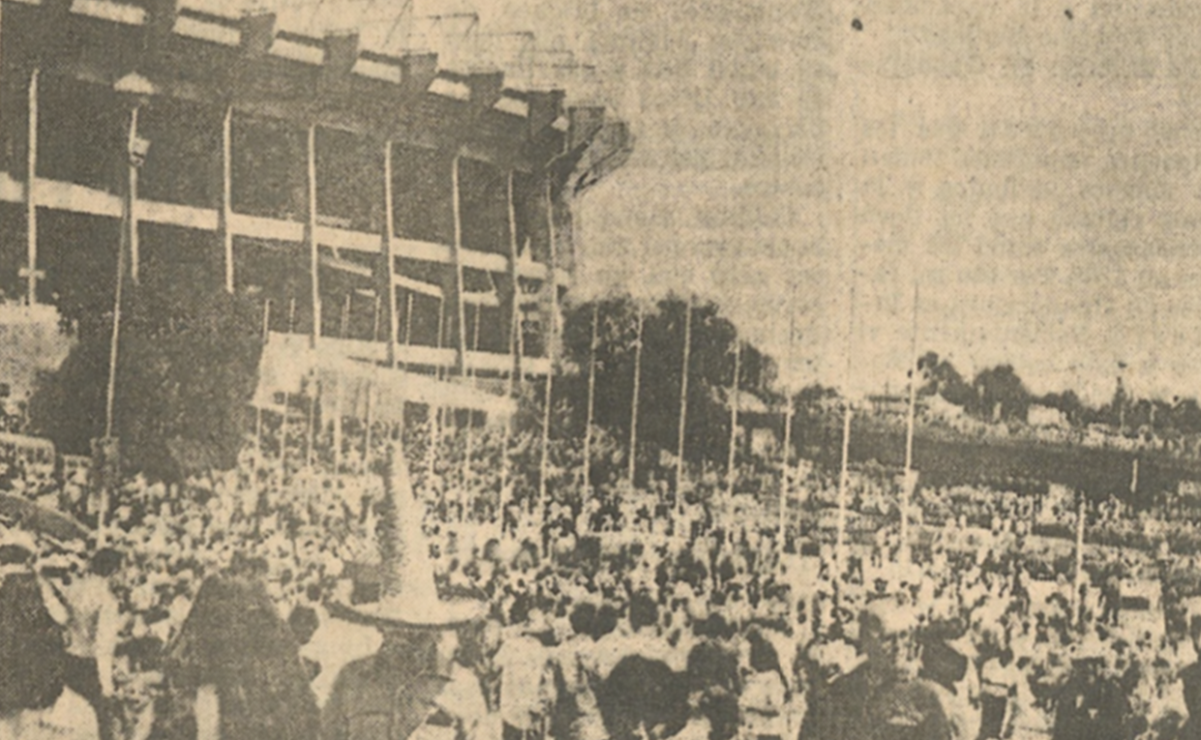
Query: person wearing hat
x=412, y=687
x=881, y=698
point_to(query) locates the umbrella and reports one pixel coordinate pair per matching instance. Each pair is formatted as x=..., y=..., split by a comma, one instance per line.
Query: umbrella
x=28, y=515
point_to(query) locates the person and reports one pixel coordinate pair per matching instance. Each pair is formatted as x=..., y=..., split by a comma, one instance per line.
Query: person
x=581, y=677
x=1089, y=705
x=413, y=687
x=765, y=694
x=413, y=680
x=522, y=660
x=92, y=626
x=999, y=680
x=1111, y=597
x=32, y=653
x=234, y=669
x=881, y=698
x=1190, y=679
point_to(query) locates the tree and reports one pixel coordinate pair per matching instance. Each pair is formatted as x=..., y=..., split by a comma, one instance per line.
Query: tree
x=1000, y=395
x=939, y=376
x=711, y=370
x=1185, y=416
x=1069, y=404
x=188, y=360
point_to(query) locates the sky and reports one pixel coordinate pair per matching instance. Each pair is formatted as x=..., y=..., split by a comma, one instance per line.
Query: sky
x=1030, y=165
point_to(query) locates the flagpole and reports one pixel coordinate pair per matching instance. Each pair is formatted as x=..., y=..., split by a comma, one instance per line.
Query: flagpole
x=469, y=439
x=310, y=443
x=544, y=454
x=367, y=432
x=435, y=411
x=683, y=408
x=785, y=468
x=632, y=457
x=506, y=431
x=283, y=422
x=906, y=486
x=336, y=421
x=839, y=555
x=258, y=409
x=587, y=487
x=731, y=473
x=1079, y=555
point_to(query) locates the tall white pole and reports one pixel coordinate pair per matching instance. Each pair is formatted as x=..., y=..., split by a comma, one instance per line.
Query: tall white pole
x=283, y=421
x=587, y=485
x=435, y=411
x=842, y=490
x=785, y=457
x=227, y=235
x=468, y=439
x=1079, y=580
x=843, y=478
x=258, y=410
x=552, y=347
x=460, y=308
x=683, y=407
x=544, y=453
x=129, y=230
x=311, y=232
x=387, y=247
x=908, y=484
x=632, y=458
x=731, y=461
x=506, y=430
x=408, y=319
x=31, y=211
x=912, y=386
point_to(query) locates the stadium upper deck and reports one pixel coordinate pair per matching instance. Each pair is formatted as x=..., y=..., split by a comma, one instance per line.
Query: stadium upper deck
x=333, y=158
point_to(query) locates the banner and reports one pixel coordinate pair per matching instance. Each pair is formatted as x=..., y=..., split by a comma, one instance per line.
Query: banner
x=290, y=365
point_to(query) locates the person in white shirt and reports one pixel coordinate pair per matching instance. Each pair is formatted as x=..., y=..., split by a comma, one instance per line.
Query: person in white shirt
x=522, y=660
x=93, y=622
x=999, y=679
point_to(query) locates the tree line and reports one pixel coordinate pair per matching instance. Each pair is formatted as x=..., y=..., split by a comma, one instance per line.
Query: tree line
x=999, y=394
x=189, y=359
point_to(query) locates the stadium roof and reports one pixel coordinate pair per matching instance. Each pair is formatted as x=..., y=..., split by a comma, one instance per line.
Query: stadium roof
x=452, y=29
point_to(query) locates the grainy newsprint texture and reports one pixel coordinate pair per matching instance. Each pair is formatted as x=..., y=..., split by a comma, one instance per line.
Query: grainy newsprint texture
x=600, y=370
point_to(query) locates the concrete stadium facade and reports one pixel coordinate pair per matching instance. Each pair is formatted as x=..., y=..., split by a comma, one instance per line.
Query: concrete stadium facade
x=332, y=173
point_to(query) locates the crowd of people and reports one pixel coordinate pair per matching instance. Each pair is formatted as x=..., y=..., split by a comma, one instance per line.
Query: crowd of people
x=622, y=613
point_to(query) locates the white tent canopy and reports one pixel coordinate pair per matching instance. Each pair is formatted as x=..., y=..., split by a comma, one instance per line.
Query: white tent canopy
x=289, y=365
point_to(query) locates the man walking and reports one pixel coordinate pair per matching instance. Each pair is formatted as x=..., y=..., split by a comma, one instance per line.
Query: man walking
x=93, y=624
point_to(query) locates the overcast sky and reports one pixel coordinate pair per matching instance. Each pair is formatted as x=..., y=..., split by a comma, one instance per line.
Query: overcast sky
x=1033, y=165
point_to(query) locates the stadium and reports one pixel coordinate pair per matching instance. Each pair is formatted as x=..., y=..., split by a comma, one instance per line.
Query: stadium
x=418, y=161
x=625, y=527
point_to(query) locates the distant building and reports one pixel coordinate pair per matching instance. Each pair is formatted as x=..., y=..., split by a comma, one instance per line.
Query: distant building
x=1046, y=416
x=888, y=405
